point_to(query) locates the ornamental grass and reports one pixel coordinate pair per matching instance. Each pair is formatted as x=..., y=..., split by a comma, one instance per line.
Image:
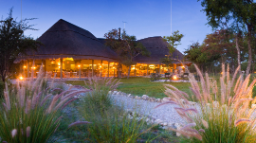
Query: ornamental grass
x=223, y=113
x=29, y=112
x=109, y=123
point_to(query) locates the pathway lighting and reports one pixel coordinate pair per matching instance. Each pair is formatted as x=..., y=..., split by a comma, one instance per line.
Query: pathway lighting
x=174, y=77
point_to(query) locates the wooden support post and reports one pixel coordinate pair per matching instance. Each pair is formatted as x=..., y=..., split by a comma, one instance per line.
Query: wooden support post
x=61, y=68
x=147, y=69
x=79, y=71
x=92, y=67
x=108, y=68
x=28, y=68
x=135, y=70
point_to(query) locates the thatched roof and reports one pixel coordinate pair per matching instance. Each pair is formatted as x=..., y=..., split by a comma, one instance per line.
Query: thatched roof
x=64, y=39
x=158, y=49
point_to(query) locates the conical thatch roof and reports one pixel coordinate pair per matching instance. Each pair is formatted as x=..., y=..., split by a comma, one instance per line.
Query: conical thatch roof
x=158, y=49
x=64, y=39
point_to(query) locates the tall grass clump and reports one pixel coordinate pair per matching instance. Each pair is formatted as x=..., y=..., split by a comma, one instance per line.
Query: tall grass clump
x=108, y=122
x=224, y=112
x=99, y=99
x=29, y=112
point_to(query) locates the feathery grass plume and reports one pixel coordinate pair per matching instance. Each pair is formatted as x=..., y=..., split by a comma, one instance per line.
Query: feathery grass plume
x=26, y=118
x=224, y=108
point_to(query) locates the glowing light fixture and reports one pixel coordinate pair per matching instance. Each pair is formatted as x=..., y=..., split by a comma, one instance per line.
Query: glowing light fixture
x=79, y=66
x=21, y=78
x=174, y=77
x=58, y=63
x=183, y=67
x=24, y=67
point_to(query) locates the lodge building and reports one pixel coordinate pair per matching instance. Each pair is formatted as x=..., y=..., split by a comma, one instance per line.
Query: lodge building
x=70, y=52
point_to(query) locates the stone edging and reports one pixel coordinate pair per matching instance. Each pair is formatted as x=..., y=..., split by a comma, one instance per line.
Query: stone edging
x=148, y=119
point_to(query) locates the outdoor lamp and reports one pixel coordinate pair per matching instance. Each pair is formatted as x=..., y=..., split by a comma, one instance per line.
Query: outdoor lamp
x=175, y=77
x=21, y=78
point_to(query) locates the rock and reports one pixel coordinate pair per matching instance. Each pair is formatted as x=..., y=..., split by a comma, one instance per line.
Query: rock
x=137, y=97
x=177, y=126
x=165, y=123
x=145, y=97
x=109, y=92
x=165, y=99
x=158, y=100
x=158, y=121
x=192, y=103
x=183, y=101
x=151, y=99
x=147, y=120
x=114, y=92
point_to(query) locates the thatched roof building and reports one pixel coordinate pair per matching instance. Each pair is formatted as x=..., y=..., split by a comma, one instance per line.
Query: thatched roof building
x=64, y=39
x=158, y=49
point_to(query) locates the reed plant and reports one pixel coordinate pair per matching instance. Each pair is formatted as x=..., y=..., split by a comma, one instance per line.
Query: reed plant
x=29, y=112
x=223, y=113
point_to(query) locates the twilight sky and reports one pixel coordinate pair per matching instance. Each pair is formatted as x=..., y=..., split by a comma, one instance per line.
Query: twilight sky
x=145, y=18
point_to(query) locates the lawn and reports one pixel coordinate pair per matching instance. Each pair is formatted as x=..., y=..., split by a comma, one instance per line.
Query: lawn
x=139, y=86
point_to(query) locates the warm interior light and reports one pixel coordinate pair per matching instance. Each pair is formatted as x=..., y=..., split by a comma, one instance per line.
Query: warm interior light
x=59, y=67
x=33, y=68
x=79, y=66
x=24, y=67
x=175, y=77
x=21, y=78
x=58, y=63
x=183, y=67
x=52, y=62
x=100, y=66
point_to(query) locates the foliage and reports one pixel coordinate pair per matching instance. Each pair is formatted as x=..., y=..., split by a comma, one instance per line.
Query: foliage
x=30, y=113
x=99, y=99
x=13, y=42
x=173, y=41
x=224, y=115
x=108, y=123
x=126, y=46
x=239, y=14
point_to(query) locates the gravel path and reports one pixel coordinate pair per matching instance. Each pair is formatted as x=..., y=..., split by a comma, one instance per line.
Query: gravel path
x=165, y=113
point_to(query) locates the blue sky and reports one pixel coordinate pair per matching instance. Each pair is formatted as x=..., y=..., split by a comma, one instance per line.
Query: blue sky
x=145, y=18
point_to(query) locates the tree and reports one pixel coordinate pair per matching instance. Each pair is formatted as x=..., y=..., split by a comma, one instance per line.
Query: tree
x=13, y=42
x=126, y=47
x=240, y=13
x=173, y=41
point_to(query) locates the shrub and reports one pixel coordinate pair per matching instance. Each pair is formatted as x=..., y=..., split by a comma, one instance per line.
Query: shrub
x=29, y=113
x=223, y=114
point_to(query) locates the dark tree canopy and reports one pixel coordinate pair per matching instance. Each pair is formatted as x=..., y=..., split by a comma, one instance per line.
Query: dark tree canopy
x=238, y=15
x=13, y=42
